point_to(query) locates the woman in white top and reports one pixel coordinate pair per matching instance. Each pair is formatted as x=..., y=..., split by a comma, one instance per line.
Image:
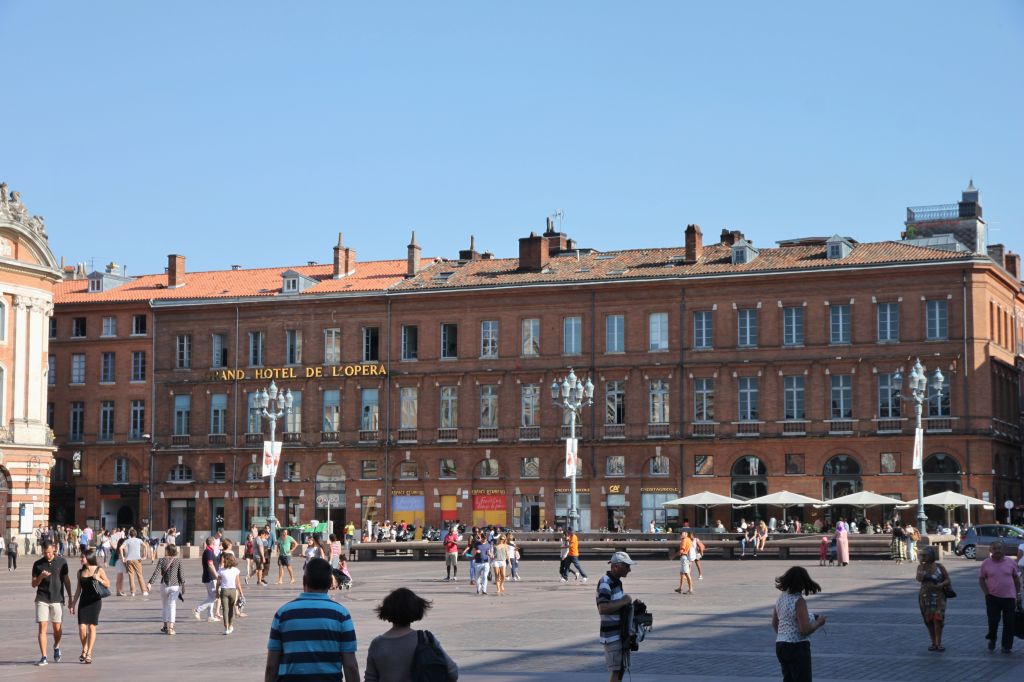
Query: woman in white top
x=230, y=589
x=793, y=624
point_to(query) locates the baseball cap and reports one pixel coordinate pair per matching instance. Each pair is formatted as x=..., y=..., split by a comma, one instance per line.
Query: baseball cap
x=621, y=558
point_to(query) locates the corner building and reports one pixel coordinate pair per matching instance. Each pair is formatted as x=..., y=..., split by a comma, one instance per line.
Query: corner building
x=421, y=387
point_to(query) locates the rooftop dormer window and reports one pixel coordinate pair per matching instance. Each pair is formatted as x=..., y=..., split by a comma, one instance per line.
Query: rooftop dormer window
x=291, y=285
x=743, y=252
x=96, y=284
x=293, y=282
x=838, y=248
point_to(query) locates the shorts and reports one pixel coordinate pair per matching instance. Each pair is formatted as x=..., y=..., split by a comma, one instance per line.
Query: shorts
x=613, y=656
x=284, y=560
x=497, y=564
x=49, y=613
x=684, y=565
x=451, y=558
x=257, y=561
x=119, y=568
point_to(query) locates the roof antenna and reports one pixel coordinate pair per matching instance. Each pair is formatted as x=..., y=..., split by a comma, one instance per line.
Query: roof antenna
x=559, y=215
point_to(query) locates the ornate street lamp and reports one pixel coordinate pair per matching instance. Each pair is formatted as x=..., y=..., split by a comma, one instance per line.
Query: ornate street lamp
x=918, y=386
x=571, y=395
x=272, y=406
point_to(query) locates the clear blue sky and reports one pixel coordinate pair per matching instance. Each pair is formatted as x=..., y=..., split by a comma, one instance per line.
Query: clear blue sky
x=252, y=132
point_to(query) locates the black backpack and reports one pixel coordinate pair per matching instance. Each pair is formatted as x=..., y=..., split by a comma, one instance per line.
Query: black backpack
x=428, y=661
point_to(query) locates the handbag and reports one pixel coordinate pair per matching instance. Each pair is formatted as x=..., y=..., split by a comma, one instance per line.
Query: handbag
x=102, y=590
x=949, y=592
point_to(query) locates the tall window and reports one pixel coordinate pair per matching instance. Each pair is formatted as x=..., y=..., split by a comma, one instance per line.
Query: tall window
x=746, y=327
x=182, y=415
x=138, y=325
x=748, y=407
x=369, y=419
x=293, y=346
x=615, y=402
x=793, y=326
x=489, y=339
x=332, y=411
x=572, y=331
x=109, y=326
x=254, y=421
x=255, y=349
x=138, y=416
x=449, y=340
x=531, y=336
x=938, y=399
x=218, y=413
x=659, y=402
x=138, y=365
x=937, y=320
x=449, y=407
x=488, y=406
x=657, y=331
x=293, y=420
x=793, y=397
x=703, y=400
x=888, y=397
x=409, y=399
x=78, y=368
x=51, y=371
x=371, y=344
x=530, y=405
x=888, y=322
x=53, y=327
x=842, y=396
x=106, y=420
x=218, y=350
x=659, y=466
x=107, y=364
x=332, y=346
x=839, y=323
x=184, y=351
x=703, y=329
x=121, y=470
x=78, y=328
x=614, y=334
x=410, y=342
x=76, y=428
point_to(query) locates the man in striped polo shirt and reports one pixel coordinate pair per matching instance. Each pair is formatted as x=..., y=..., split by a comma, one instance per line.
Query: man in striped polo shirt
x=611, y=600
x=312, y=638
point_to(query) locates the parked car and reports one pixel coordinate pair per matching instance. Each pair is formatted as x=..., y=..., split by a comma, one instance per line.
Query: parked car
x=976, y=539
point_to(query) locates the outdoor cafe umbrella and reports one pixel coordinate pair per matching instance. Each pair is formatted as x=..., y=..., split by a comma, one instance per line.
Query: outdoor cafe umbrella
x=950, y=498
x=704, y=499
x=783, y=499
x=863, y=499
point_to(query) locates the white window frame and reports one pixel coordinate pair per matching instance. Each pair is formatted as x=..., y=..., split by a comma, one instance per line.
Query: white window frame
x=657, y=332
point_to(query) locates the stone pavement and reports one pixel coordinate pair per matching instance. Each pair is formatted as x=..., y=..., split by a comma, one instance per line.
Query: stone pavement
x=543, y=630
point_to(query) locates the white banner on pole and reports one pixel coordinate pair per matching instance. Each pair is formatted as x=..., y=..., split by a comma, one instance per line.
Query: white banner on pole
x=918, y=449
x=570, y=457
x=271, y=457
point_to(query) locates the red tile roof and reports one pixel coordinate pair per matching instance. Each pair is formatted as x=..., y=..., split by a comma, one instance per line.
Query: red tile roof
x=638, y=264
x=262, y=282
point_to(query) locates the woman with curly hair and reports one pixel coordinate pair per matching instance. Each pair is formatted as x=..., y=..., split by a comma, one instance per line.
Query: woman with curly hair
x=794, y=624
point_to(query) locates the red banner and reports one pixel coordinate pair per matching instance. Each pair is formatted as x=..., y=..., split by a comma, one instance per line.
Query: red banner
x=488, y=503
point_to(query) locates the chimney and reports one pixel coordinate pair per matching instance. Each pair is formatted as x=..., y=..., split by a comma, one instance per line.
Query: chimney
x=533, y=253
x=413, y=259
x=344, y=260
x=730, y=237
x=995, y=252
x=558, y=242
x=694, y=243
x=175, y=271
x=1012, y=264
x=469, y=254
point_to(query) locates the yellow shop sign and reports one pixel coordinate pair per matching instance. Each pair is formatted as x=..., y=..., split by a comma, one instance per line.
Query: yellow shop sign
x=301, y=372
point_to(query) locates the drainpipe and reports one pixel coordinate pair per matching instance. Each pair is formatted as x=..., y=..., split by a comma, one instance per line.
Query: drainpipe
x=682, y=388
x=387, y=416
x=152, y=419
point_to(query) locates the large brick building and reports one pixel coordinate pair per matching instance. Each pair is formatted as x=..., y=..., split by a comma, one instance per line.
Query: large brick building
x=421, y=387
x=28, y=273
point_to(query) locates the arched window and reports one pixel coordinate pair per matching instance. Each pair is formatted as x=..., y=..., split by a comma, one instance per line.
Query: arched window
x=941, y=473
x=488, y=469
x=749, y=480
x=841, y=476
x=180, y=474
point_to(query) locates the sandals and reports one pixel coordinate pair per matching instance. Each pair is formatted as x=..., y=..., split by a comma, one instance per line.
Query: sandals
x=81, y=659
x=933, y=648
x=88, y=659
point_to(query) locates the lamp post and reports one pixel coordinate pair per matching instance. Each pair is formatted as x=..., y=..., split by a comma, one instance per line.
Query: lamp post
x=571, y=395
x=272, y=406
x=919, y=384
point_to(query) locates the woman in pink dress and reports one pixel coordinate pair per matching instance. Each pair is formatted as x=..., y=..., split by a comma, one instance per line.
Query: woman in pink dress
x=842, y=543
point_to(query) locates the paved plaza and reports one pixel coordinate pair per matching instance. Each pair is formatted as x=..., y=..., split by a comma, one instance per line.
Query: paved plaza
x=543, y=630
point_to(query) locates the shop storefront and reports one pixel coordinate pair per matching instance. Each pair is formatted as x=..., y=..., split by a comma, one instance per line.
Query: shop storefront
x=561, y=519
x=489, y=508
x=615, y=509
x=407, y=506
x=651, y=509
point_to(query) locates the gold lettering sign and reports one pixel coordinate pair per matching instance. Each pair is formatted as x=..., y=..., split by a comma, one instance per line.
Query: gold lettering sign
x=615, y=488
x=659, y=490
x=568, y=490
x=304, y=372
x=489, y=491
x=401, y=493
